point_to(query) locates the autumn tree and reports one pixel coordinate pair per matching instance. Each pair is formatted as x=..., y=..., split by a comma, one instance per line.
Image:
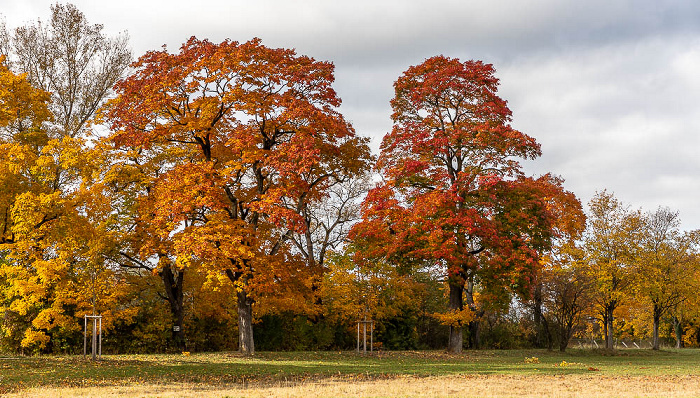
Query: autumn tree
x=50, y=230
x=264, y=140
x=453, y=192
x=367, y=290
x=73, y=60
x=685, y=318
x=611, y=246
x=54, y=219
x=129, y=180
x=666, y=262
x=566, y=292
x=560, y=287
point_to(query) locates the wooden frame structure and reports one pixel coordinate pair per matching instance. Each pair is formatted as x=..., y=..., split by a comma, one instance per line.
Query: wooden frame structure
x=364, y=323
x=96, y=345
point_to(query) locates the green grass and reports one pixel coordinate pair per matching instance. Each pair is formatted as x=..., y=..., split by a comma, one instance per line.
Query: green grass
x=266, y=367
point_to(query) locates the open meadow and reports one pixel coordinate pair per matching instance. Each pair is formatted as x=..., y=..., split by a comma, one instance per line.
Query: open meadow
x=507, y=373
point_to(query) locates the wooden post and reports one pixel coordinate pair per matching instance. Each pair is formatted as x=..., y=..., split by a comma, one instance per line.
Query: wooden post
x=364, y=335
x=96, y=336
x=85, y=337
x=94, y=339
x=100, y=351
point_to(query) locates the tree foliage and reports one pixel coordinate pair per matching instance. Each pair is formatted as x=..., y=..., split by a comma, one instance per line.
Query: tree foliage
x=55, y=222
x=230, y=190
x=667, y=266
x=71, y=59
x=611, y=245
x=263, y=141
x=453, y=193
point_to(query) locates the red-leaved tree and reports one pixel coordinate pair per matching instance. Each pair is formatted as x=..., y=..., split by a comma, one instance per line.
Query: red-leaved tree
x=453, y=193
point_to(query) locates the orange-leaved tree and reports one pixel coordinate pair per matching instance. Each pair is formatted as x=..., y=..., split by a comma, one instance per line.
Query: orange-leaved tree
x=453, y=192
x=264, y=139
x=140, y=246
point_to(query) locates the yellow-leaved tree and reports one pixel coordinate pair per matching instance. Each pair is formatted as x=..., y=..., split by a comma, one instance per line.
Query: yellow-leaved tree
x=356, y=289
x=56, y=224
x=667, y=267
x=611, y=243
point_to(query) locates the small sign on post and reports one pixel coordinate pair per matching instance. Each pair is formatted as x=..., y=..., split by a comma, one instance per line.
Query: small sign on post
x=96, y=343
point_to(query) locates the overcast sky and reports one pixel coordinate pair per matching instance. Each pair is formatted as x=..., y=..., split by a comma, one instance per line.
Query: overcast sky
x=609, y=88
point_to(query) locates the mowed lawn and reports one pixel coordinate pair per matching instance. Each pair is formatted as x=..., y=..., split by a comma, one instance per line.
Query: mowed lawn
x=507, y=373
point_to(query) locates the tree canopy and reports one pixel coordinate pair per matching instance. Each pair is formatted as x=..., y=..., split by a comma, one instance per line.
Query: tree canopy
x=201, y=196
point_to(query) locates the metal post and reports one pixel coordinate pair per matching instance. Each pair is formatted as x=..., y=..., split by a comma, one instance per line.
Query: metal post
x=358, y=336
x=371, y=336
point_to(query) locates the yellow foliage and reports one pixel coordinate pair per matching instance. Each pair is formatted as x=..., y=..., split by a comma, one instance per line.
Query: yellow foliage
x=22, y=107
x=373, y=290
x=35, y=337
x=456, y=317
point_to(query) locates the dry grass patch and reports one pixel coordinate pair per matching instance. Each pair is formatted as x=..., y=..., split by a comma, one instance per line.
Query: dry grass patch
x=482, y=386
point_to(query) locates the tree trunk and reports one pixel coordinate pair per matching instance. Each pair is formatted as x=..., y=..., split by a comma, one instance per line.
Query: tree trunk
x=474, y=324
x=245, y=323
x=547, y=334
x=173, y=283
x=456, y=304
x=609, y=342
x=605, y=326
x=537, y=316
x=566, y=330
x=475, y=334
x=563, y=338
x=678, y=329
x=657, y=320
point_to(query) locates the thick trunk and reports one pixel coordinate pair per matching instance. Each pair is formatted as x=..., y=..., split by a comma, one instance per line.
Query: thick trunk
x=474, y=324
x=678, y=329
x=657, y=320
x=245, y=323
x=475, y=334
x=173, y=283
x=609, y=342
x=563, y=339
x=456, y=304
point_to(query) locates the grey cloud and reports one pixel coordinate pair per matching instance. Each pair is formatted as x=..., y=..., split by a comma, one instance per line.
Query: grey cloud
x=610, y=88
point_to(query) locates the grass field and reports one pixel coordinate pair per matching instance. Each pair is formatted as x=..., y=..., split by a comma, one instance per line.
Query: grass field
x=512, y=373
